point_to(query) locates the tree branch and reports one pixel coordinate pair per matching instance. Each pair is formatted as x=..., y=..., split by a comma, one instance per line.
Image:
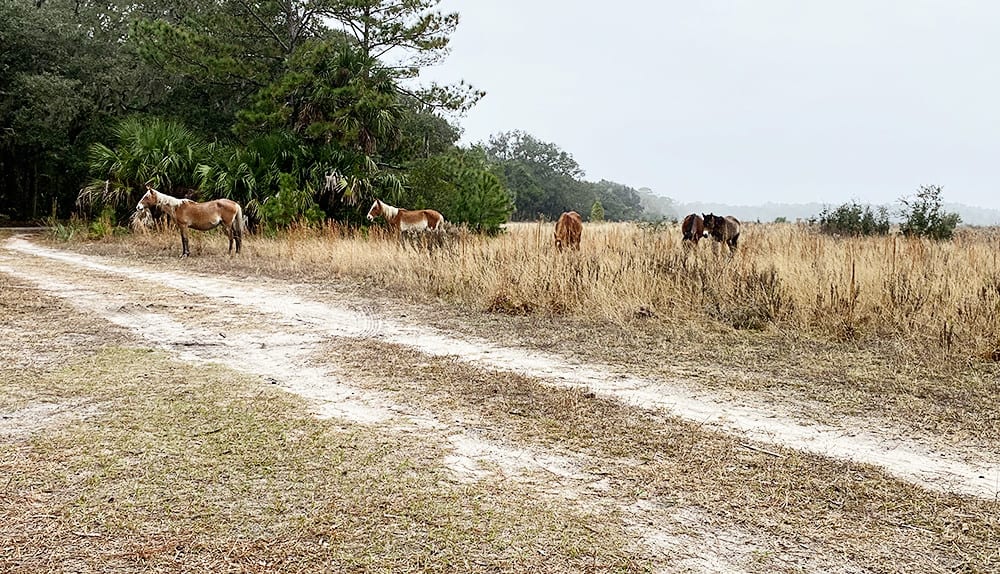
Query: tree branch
x=260, y=20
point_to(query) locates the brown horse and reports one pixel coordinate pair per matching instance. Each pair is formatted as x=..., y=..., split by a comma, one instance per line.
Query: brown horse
x=569, y=228
x=693, y=228
x=406, y=219
x=723, y=229
x=201, y=216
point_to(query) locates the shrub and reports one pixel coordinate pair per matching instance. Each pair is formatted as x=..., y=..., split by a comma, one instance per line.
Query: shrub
x=104, y=225
x=65, y=231
x=290, y=205
x=853, y=219
x=462, y=186
x=923, y=216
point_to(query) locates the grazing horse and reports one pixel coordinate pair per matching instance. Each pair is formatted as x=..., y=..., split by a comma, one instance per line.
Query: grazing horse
x=723, y=229
x=693, y=228
x=406, y=219
x=569, y=228
x=201, y=216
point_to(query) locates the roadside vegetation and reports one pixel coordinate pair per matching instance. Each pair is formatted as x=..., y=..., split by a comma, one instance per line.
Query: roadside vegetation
x=305, y=112
x=899, y=329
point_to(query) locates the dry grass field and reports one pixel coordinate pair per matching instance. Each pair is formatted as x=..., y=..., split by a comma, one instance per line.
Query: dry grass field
x=936, y=298
x=205, y=470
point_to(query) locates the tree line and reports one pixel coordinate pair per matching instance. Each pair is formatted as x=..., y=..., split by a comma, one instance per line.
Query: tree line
x=301, y=110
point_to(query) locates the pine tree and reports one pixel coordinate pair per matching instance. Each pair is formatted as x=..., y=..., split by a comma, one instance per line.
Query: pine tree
x=597, y=211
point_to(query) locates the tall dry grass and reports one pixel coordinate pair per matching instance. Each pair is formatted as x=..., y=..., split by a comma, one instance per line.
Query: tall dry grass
x=941, y=295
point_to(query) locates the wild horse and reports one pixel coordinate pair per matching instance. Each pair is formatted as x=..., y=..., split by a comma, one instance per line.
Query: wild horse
x=569, y=228
x=201, y=216
x=693, y=228
x=723, y=229
x=406, y=219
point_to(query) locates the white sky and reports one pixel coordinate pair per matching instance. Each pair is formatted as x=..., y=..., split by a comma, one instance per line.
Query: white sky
x=745, y=102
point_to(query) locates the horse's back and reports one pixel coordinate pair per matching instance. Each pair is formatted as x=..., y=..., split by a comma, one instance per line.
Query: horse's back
x=434, y=219
x=693, y=227
x=419, y=219
x=732, y=226
x=209, y=214
x=569, y=229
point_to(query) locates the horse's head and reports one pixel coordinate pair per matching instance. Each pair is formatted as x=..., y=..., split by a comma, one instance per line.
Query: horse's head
x=709, y=221
x=147, y=200
x=375, y=211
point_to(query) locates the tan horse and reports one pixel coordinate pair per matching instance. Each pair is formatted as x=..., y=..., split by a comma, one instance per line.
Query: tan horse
x=569, y=228
x=201, y=216
x=405, y=219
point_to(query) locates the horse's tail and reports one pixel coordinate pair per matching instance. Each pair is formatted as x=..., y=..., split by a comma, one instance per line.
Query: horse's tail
x=239, y=222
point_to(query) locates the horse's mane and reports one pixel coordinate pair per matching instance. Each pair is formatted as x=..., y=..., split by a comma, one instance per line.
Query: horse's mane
x=168, y=199
x=388, y=211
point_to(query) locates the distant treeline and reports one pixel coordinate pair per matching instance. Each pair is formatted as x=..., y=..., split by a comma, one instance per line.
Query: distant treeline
x=768, y=212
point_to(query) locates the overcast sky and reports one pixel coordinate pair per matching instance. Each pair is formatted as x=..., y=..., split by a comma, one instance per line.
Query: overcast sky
x=745, y=102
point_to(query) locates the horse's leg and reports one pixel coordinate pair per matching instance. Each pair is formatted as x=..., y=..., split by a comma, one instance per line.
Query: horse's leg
x=229, y=233
x=185, y=246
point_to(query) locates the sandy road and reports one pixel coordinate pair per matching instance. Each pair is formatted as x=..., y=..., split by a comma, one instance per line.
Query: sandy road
x=275, y=331
x=298, y=324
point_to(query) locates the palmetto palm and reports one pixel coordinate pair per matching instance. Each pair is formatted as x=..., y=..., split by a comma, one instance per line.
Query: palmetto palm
x=250, y=174
x=160, y=153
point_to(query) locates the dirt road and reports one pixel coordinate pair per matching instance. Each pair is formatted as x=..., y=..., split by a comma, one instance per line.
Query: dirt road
x=284, y=333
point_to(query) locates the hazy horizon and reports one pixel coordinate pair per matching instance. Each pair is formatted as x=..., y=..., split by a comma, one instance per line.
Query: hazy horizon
x=744, y=102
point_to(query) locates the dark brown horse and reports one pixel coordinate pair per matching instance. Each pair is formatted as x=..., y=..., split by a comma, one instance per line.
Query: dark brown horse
x=569, y=228
x=723, y=229
x=693, y=228
x=201, y=216
x=406, y=219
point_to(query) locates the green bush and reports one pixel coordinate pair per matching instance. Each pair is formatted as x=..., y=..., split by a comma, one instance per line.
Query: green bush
x=104, y=226
x=463, y=187
x=924, y=215
x=481, y=201
x=853, y=219
x=65, y=231
x=289, y=205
